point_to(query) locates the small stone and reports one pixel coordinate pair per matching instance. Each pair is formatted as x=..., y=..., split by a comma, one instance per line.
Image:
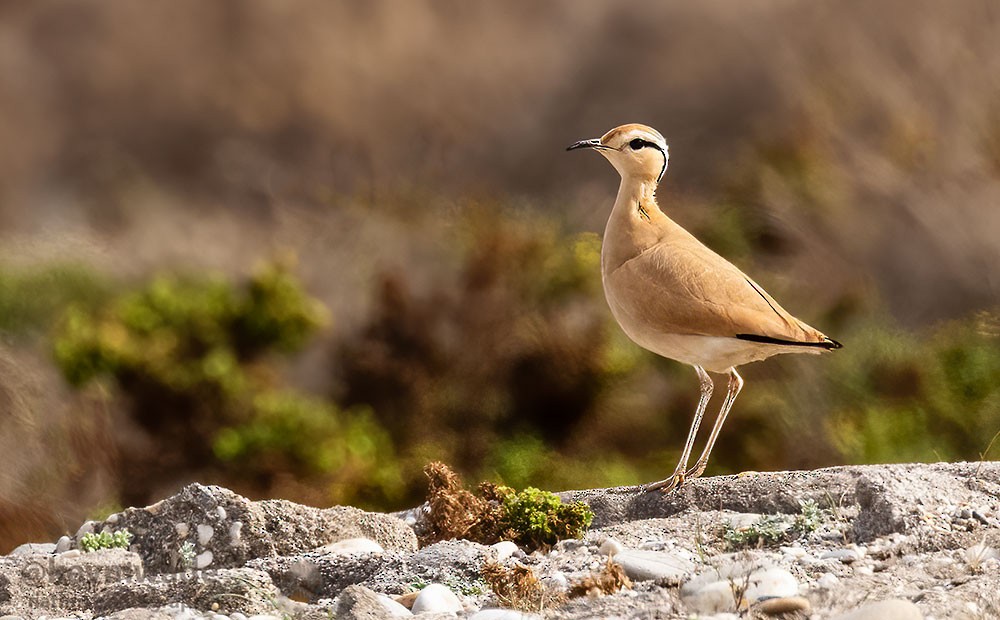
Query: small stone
x=771, y=583
x=891, y=609
x=436, y=597
x=828, y=581
x=504, y=550
x=653, y=565
x=221, y=512
x=235, y=531
x=182, y=529
x=352, y=546
x=86, y=528
x=34, y=549
x=783, y=605
x=237, y=616
x=611, y=547
x=205, y=533
x=709, y=598
x=406, y=600
x=64, y=544
x=112, y=519
x=793, y=552
x=864, y=569
x=11, y=618
x=203, y=560
x=846, y=555
x=395, y=609
x=69, y=555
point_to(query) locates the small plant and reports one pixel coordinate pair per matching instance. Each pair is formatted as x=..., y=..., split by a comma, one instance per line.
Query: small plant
x=187, y=556
x=767, y=530
x=609, y=580
x=106, y=540
x=517, y=587
x=531, y=518
x=809, y=519
x=771, y=530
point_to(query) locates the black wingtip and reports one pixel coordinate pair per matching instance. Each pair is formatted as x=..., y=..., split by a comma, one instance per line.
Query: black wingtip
x=827, y=343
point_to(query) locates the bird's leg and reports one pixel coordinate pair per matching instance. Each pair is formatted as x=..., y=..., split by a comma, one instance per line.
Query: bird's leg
x=735, y=385
x=677, y=478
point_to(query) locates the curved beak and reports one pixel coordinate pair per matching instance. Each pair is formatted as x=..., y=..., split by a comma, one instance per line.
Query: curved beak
x=594, y=143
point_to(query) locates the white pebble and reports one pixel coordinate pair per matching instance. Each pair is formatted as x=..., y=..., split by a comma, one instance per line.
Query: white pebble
x=611, y=547
x=892, y=609
x=112, y=519
x=846, y=555
x=351, y=546
x=203, y=560
x=395, y=609
x=205, y=533
x=709, y=598
x=828, y=581
x=436, y=597
x=770, y=583
x=72, y=553
x=652, y=565
x=64, y=544
x=182, y=529
x=86, y=528
x=503, y=550
x=221, y=512
x=234, y=532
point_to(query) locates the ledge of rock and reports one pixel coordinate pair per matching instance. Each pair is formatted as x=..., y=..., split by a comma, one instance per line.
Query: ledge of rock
x=888, y=542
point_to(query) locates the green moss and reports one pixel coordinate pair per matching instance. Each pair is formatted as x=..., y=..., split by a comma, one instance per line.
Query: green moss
x=535, y=518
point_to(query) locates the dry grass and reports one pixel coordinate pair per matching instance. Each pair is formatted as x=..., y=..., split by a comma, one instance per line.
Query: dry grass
x=609, y=580
x=517, y=587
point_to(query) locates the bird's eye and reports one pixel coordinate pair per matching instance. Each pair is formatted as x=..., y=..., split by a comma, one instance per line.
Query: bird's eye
x=637, y=144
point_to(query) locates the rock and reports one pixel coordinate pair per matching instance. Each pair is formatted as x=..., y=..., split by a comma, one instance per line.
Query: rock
x=448, y=561
x=783, y=605
x=846, y=555
x=891, y=609
x=315, y=575
x=359, y=603
x=828, y=581
x=769, y=583
x=610, y=547
x=64, y=544
x=436, y=598
x=351, y=546
x=226, y=590
x=34, y=549
x=235, y=529
x=503, y=550
x=62, y=582
x=713, y=591
x=653, y=565
x=502, y=614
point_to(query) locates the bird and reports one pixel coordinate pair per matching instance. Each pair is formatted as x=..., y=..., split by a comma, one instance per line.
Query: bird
x=674, y=296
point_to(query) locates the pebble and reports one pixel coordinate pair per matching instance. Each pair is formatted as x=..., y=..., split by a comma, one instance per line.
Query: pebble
x=352, y=546
x=710, y=598
x=205, y=533
x=182, y=529
x=65, y=543
x=501, y=614
x=783, y=605
x=436, y=597
x=234, y=532
x=72, y=553
x=769, y=583
x=828, y=581
x=610, y=547
x=846, y=555
x=86, y=528
x=395, y=609
x=652, y=565
x=11, y=618
x=503, y=550
x=203, y=560
x=891, y=609
x=34, y=549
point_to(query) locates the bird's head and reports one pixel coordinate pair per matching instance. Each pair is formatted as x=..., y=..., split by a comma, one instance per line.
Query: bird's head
x=636, y=151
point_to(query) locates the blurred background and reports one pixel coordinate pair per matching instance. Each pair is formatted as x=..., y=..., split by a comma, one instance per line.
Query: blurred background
x=301, y=249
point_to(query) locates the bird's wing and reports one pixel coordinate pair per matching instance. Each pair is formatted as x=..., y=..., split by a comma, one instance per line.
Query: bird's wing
x=682, y=286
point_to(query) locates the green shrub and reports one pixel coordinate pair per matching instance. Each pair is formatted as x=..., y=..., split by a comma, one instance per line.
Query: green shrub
x=31, y=299
x=105, y=540
x=535, y=519
x=194, y=359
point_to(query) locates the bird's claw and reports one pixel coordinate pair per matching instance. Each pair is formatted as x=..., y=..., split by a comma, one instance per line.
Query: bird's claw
x=675, y=481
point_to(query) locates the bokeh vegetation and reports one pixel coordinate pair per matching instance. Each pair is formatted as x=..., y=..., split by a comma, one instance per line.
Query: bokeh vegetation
x=446, y=304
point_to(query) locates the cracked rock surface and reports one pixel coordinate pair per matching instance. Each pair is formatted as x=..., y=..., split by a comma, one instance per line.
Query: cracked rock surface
x=889, y=541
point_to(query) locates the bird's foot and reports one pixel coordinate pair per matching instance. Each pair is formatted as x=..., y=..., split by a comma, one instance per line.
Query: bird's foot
x=675, y=481
x=696, y=471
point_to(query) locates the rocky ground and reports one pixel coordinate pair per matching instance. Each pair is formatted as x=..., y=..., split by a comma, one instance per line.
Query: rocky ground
x=890, y=542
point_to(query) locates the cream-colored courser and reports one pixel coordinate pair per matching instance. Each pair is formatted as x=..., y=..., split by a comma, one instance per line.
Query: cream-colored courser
x=679, y=299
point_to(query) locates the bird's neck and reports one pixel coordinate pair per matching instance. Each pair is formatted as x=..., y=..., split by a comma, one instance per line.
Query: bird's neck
x=636, y=223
